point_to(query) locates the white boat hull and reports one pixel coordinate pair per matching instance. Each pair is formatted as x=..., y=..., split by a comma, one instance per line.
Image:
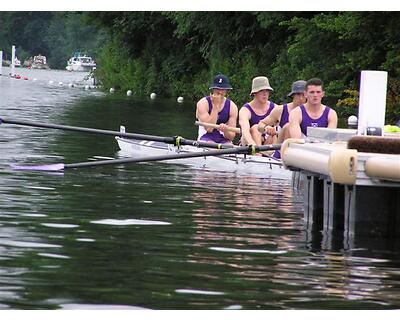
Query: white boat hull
x=243, y=164
x=80, y=63
x=80, y=67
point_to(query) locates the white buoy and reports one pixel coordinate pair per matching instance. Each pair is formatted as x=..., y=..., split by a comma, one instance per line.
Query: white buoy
x=153, y=96
x=352, y=122
x=112, y=90
x=180, y=99
x=34, y=79
x=129, y=93
x=51, y=82
x=87, y=87
x=71, y=85
x=60, y=83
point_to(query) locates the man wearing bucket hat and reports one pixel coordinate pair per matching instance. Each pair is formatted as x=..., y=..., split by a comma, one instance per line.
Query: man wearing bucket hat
x=279, y=117
x=312, y=113
x=216, y=109
x=254, y=111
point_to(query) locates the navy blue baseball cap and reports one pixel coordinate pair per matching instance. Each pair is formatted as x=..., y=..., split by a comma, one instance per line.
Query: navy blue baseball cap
x=221, y=82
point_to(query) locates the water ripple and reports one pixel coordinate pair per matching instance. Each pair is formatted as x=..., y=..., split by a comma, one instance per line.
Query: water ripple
x=235, y=250
x=129, y=222
x=200, y=292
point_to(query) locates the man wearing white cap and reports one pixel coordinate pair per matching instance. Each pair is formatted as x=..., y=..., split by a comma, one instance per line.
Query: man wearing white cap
x=254, y=111
x=216, y=109
x=279, y=117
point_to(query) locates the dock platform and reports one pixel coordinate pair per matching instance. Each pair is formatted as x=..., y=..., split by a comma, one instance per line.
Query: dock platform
x=345, y=189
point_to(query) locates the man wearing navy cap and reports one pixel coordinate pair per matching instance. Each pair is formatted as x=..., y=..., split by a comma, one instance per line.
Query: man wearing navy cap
x=279, y=117
x=216, y=109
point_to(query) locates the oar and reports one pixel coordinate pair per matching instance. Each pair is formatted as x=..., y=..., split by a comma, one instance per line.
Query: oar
x=216, y=126
x=177, y=141
x=62, y=166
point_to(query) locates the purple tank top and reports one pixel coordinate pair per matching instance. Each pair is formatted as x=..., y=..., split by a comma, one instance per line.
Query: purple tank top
x=223, y=117
x=307, y=121
x=284, y=116
x=255, y=118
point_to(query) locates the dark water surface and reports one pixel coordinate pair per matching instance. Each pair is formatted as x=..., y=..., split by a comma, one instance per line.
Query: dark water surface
x=159, y=236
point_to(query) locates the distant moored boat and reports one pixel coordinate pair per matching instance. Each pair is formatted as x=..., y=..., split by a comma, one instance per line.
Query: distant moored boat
x=80, y=62
x=38, y=62
x=17, y=63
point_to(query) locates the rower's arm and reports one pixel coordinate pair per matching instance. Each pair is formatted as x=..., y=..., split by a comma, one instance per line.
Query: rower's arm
x=295, y=118
x=203, y=115
x=271, y=120
x=244, y=123
x=332, y=119
x=232, y=122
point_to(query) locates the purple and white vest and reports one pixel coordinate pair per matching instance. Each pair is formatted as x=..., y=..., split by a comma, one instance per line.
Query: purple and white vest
x=284, y=116
x=307, y=121
x=223, y=117
x=255, y=118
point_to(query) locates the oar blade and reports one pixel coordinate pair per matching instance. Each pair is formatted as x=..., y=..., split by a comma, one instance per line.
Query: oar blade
x=43, y=167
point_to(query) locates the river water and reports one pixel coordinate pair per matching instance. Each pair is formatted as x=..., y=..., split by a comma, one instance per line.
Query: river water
x=156, y=235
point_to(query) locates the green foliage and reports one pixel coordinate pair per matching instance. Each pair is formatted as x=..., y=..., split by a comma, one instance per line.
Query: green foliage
x=179, y=53
x=184, y=50
x=53, y=34
x=349, y=104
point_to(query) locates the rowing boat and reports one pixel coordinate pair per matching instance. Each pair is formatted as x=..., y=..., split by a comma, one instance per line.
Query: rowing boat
x=239, y=163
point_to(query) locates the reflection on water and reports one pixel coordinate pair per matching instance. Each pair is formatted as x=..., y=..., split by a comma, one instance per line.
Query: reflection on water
x=160, y=236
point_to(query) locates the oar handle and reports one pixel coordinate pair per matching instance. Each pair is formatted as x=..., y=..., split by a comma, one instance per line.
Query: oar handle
x=216, y=126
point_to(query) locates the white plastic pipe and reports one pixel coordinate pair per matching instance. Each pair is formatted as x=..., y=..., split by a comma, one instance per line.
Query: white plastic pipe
x=383, y=167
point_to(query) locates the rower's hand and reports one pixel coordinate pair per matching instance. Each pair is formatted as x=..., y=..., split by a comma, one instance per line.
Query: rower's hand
x=271, y=131
x=223, y=127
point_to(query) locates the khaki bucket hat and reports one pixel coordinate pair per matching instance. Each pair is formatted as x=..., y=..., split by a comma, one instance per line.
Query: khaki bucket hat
x=260, y=83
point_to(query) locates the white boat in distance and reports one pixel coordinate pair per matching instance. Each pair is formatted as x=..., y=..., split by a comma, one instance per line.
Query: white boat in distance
x=17, y=62
x=39, y=62
x=80, y=62
x=239, y=163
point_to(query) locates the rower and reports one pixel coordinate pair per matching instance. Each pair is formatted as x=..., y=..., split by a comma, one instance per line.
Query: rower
x=312, y=113
x=277, y=122
x=254, y=111
x=217, y=109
